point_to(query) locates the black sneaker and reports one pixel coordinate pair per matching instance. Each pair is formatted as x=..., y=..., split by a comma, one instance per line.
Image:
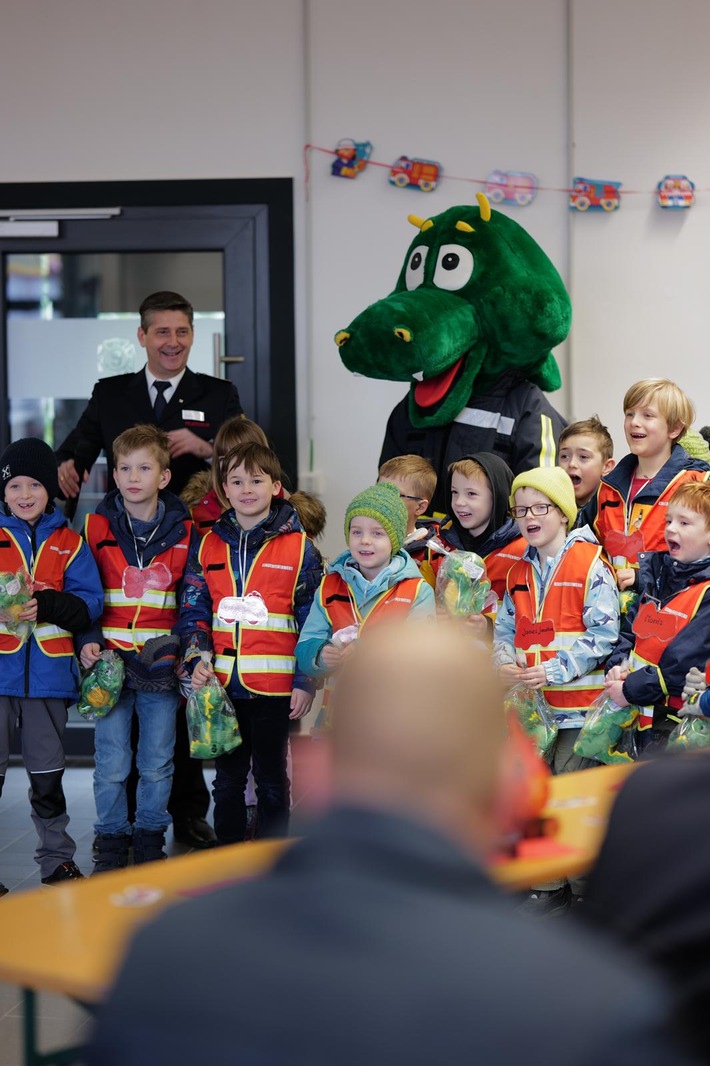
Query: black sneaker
x=67, y=871
x=3, y=889
x=546, y=903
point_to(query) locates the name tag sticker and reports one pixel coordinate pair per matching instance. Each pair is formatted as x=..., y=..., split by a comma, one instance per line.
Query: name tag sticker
x=193, y=416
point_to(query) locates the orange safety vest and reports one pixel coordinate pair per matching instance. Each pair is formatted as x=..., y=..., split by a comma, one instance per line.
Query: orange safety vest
x=340, y=609
x=649, y=646
x=556, y=620
x=499, y=562
x=128, y=622
x=646, y=520
x=265, y=654
x=55, y=554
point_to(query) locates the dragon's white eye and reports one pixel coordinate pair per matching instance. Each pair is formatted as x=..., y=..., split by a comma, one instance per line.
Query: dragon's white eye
x=454, y=267
x=414, y=274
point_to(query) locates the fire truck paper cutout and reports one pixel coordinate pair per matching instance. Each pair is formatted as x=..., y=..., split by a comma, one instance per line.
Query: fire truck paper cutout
x=350, y=157
x=511, y=187
x=593, y=194
x=423, y=174
x=675, y=191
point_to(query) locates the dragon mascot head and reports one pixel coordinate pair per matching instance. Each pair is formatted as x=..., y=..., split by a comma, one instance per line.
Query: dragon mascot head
x=476, y=297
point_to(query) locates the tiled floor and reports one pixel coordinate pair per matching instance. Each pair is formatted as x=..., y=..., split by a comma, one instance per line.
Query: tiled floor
x=61, y=1022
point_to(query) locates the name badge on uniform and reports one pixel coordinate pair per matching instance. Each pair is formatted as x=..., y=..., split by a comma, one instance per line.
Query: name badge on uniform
x=193, y=416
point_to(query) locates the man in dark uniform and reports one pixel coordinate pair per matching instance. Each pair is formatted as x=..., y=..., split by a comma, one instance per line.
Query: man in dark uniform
x=190, y=408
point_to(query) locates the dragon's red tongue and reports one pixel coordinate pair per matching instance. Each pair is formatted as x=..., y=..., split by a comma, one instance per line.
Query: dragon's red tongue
x=427, y=393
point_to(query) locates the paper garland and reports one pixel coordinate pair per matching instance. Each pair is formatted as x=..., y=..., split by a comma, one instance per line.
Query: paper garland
x=515, y=187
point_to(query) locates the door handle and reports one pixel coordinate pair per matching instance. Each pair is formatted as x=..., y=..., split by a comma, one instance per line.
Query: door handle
x=219, y=359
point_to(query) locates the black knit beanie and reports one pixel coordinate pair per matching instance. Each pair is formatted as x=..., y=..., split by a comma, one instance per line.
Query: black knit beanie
x=30, y=457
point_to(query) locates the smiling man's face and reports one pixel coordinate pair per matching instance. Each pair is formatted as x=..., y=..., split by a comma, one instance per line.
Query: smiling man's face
x=167, y=342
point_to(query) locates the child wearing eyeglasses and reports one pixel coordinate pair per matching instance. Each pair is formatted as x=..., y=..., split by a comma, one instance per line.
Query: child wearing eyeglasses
x=415, y=479
x=558, y=622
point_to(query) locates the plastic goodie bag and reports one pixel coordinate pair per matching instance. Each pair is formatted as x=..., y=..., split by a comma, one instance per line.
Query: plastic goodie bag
x=101, y=686
x=607, y=734
x=461, y=584
x=534, y=714
x=15, y=591
x=691, y=734
x=211, y=720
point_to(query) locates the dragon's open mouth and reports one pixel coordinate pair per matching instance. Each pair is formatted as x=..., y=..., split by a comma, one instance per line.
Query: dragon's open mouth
x=433, y=390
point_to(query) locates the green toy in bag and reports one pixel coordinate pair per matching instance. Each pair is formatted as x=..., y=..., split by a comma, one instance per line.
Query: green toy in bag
x=101, y=686
x=211, y=722
x=606, y=728
x=15, y=591
x=461, y=584
x=534, y=715
x=691, y=734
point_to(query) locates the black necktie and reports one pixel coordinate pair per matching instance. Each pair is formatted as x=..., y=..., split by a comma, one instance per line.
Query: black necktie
x=160, y=402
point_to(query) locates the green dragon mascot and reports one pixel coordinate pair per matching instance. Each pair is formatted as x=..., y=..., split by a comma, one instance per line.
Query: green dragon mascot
x=477, y=308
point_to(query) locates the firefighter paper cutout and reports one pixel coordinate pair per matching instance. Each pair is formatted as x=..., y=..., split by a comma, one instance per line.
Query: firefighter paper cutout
x=137, y=582
x=350, y=158
x=250, y=608
x=511, y=187
x=624, y=546
x=675, y=191
x=657, y=623
x=594, y=194
x=529, y=634
x=423, y=174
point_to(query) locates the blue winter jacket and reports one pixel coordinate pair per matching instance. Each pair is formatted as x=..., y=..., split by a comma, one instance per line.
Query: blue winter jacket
x=28, y=671
x=195, y=622
x=317, y=631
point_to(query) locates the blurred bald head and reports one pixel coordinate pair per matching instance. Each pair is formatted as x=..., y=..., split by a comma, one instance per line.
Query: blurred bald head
x=418, y=726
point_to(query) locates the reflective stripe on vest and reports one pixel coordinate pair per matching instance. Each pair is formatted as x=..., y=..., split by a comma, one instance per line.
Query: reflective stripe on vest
x=562, y=603
x=648, y=649
x=264, y=654
x=55, y=554
x=127, y=622
x=648, y=519
x=499, y=562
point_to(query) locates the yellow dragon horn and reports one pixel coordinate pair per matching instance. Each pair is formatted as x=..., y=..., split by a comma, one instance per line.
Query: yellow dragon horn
x=416, y=220
x=485, y=206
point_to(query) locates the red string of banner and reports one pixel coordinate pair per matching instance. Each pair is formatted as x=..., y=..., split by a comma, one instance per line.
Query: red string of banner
x=474, y=181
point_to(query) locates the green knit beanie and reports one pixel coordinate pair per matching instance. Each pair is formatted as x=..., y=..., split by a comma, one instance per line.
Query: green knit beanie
x=383, y=503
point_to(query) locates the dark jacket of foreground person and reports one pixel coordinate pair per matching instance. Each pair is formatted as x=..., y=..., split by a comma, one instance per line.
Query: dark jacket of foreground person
x=375, y=940
x=650, y=887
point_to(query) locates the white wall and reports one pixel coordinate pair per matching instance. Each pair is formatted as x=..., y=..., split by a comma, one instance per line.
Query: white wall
x=641, y=276
x=156, y=89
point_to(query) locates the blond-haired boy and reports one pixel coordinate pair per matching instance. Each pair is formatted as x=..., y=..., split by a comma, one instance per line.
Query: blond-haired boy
x=628, y=512
x=415, y=478
x=586, y=451
x=668, y=630
x=139, y=538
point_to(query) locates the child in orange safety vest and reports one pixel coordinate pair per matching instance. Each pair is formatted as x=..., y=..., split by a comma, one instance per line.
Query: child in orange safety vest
x=248, y=588
x=558, y=622
x=374, y=580
x=628, y=511
x=39, y=676
x=667, y=632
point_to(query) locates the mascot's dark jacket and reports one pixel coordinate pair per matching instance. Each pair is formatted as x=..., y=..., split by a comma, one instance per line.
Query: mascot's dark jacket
x=513, y=418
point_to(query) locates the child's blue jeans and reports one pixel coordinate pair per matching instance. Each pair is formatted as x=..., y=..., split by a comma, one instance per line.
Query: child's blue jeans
x=156, y=713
